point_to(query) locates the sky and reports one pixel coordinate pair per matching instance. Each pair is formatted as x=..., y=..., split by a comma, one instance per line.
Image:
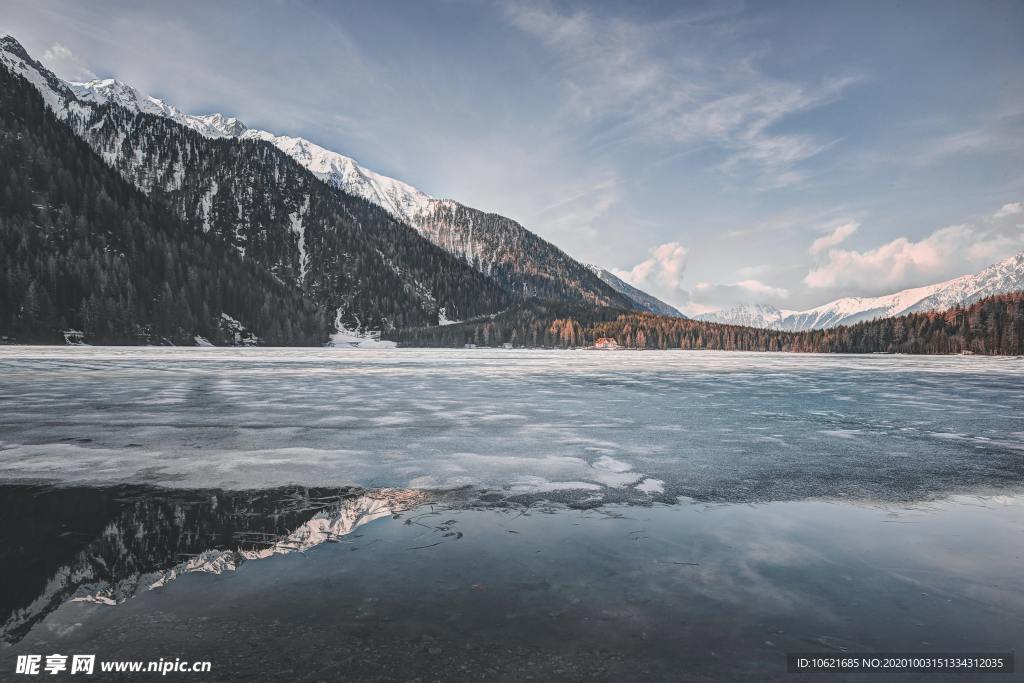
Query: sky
x=710, y=153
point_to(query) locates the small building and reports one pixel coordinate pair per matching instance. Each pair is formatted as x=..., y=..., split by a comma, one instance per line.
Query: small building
x=606, y=344
x=507, y=345
x=470, y=346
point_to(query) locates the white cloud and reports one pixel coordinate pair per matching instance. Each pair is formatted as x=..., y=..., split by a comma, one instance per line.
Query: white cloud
x=63, y=62
x=758, y=287
x=834, y=238
x=1012, y=209
x=661, y=272
x=902, y=262
x=707, y=296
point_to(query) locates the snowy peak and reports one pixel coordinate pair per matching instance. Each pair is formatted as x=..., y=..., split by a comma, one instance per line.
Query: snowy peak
x=1000, y=278
x=400, y=199
x=109, y=90
x=54, y=91
x=747, y=315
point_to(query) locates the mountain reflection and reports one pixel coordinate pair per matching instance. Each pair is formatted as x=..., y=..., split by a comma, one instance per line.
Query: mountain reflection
x=105, y=545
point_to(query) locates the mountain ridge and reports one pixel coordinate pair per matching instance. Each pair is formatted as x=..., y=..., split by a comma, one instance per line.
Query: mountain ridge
x=480, y=238
x=366, y=268
x=1002, y=277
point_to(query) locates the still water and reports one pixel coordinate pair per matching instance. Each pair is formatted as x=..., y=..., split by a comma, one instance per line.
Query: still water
x=318, y=514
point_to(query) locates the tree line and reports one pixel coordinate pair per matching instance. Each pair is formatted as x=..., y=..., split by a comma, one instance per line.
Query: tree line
x=991, y=326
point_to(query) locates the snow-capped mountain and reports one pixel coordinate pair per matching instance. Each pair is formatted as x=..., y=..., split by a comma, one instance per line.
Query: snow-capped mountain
x=496, y=246
x=1000, y=278
x=648, y=302
x=353, y=259
x=401, y=200
x=748, y=315
x=109, y=90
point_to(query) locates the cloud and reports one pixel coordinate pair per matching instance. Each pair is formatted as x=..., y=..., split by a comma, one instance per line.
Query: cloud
x=835, y=237
x=902, y=262
x=63, y=62
x=705, y=88
x=708, y=296
x=661, y=272
x=1012, y=209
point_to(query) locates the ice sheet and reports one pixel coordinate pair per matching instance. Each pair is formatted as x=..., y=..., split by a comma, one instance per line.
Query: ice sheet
x=708, y=425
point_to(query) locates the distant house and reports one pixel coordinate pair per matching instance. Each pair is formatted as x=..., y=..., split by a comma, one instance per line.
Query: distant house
x=470, y=346
x=606, y=343
x=507, y=345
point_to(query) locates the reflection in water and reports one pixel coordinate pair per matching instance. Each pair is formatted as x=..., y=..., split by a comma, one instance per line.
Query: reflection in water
x=462, y=585
x=106, y=545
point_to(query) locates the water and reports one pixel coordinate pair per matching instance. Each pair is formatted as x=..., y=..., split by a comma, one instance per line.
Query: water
x=608, y=425
x=493, y=515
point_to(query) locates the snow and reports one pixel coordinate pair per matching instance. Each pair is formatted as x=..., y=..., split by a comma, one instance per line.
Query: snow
x=1005, y=276
x=102, y=91
x=299, y=230
x=650, y=485
x=442, y=317
x=354, y=338
x=62, y=103
x=400, y=199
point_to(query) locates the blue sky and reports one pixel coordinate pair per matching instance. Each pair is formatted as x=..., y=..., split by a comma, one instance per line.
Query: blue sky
x=782, y=152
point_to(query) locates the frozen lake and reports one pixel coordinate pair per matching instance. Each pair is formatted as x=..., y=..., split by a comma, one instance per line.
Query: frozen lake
x=608, y=426
x=569, y=515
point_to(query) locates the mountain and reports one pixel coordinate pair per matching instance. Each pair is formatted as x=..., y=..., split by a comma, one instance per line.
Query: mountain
x=109, y=90
x=518, y=259
x=748, y=315
x=643, y=299
x=107, y=545
x=351, y=257
x=80, y=247
x=993, y=325
x=1000, y=278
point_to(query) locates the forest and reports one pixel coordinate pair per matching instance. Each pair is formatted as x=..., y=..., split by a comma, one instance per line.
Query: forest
x=992, y=326
x=81, y=248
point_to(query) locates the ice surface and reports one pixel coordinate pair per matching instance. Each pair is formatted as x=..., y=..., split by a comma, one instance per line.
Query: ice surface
x=713, y=426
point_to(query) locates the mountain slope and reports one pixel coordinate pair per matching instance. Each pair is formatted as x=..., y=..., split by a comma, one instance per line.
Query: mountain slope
x=499, y=247
x=518, y=259
x=1000, y=278
x=748, y=315
x=80, y=247
x=352, y=257
x=643, y=299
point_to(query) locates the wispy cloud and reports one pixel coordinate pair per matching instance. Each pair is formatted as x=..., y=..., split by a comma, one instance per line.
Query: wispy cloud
x=615, y=72
x=66, y=64
x=1011, y=209
x=835, y=237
